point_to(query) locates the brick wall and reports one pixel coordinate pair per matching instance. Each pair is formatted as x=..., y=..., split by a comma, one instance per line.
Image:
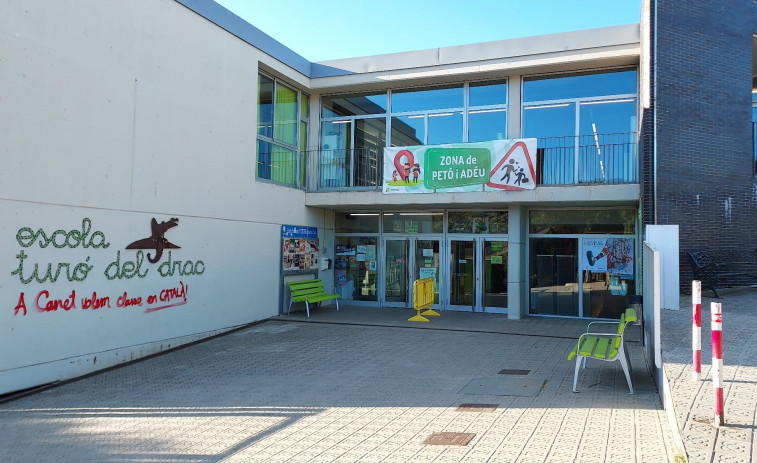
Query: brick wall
x=703, y=131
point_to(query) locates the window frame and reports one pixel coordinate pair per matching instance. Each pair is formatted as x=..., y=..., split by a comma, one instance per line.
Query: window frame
x=298, y=150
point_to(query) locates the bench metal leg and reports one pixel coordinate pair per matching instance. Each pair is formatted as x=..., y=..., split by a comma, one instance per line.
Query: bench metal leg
x=578, y=368
x=307, y=307
x=624, y=364
x=290, y=307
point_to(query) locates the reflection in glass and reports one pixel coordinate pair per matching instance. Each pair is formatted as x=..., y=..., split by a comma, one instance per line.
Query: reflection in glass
x=605, y=290
x=413, y=222
x=596, y=221
x=445, y=128
x=358, y=104
x=276, y=163
x=285, y=115
x=356, y=222
x=427, y=99
x=370, y=140
x=555, y=126
x=607, y=151
x=488, y=124
x=553, y=267
x=356, y=268
x=495, y=274
x=335, y=155
x=408, y=131
x=487, y=93
x=479, y=222
x=612, y=82
x=396, y=271
x=462, y=273
x=265, y=106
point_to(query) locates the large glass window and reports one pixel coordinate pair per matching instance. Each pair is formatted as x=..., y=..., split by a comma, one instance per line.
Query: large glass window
x=555, y=127
x=477, y=222
x=335, y=158
x=590, y=253
x=445, y=128
x=487, y=113
x=567, y=221
x=356, y=267
x=358, y=104
x=428, y=99
x=487, y=124
x=370, y=140
x=553, y=269
x=265, y=106
x=413, y=222
x=285, y=115
x=282, y=132
x=585, y=124
x=408, y=130
x=354, y=126
x=357, y=222
x=594, y=84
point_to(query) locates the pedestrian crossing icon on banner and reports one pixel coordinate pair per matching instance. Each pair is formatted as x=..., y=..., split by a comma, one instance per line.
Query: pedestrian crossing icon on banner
x=515, y=171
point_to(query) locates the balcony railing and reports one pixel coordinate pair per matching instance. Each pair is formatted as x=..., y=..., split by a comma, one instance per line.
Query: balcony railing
x=587, y=159
x=584, y=160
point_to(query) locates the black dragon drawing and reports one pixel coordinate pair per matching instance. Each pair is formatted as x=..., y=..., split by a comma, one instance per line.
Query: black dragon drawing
x=157, y=241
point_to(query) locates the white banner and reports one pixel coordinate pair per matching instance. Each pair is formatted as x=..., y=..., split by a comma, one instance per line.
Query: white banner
x=460, y=167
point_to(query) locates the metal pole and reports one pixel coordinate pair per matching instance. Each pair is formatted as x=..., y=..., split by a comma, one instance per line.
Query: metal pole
x=717, y=360
x=696, y=328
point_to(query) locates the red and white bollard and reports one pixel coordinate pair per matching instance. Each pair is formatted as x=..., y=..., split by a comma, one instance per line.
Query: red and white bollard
x=696, y=328
x=716, y=314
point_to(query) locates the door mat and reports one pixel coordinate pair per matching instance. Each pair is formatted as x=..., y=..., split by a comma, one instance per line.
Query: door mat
x=522, y=386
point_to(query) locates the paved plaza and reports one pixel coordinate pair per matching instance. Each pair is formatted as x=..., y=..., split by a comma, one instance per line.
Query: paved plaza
x=365, y=385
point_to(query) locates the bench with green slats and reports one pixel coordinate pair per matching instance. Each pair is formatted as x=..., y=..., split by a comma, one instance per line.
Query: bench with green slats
x=604, y=346
x=309, y=292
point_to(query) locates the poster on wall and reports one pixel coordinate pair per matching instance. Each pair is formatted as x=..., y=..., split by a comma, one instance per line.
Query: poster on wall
x=608, y=255
x=461, y=167
x=300, y=248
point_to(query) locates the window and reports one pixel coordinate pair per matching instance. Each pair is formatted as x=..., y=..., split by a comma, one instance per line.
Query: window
x=487, y=112
x=282, y=132
x=586, y=126
x=355, y=126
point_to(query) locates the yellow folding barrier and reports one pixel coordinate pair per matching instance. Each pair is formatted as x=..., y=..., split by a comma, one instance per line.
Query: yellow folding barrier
x=423, y=298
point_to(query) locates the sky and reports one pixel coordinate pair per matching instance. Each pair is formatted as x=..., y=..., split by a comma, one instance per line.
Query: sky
x=320, y=30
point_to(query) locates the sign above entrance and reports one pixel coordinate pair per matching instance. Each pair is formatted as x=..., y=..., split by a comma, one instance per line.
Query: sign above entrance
x=461, y=167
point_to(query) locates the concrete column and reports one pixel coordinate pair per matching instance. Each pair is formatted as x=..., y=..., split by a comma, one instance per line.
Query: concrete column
x=513, y=107
x=517, y=278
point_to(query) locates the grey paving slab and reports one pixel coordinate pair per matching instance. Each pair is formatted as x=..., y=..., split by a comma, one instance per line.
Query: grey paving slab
x=694, y=400
x=358, y=385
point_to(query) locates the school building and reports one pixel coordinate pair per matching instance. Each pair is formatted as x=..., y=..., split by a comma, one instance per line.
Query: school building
x=168, y=167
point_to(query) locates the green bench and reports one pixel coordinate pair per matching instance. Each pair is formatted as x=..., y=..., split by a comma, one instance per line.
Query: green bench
x=309, y=292
x=604, y=346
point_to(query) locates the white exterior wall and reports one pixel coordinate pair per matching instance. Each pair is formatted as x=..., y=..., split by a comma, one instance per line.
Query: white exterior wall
x=112, y=114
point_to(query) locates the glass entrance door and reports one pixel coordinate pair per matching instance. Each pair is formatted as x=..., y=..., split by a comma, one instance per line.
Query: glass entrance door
x=463, y=275
x=478, y=274
x=427, y=263
x=407, y=260
x=396, y=265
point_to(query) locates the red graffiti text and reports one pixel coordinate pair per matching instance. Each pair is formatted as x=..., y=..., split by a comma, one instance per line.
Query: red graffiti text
x=95, y=302
x=45, y=304
x=125, y=301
